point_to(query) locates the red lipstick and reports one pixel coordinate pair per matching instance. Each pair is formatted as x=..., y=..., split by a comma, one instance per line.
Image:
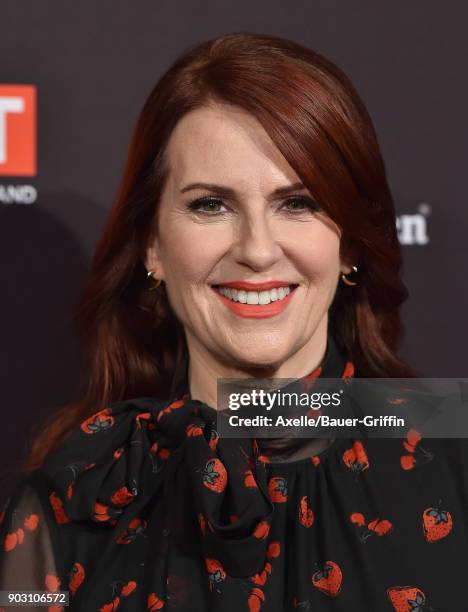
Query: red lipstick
x=256, y=311
x=249, y=286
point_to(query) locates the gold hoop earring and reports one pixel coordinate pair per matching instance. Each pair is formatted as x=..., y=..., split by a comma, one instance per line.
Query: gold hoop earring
x=346, y=280
x=157, y=283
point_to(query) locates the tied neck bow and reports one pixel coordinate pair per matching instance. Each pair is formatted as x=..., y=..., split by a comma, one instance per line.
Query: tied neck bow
x=117, y=460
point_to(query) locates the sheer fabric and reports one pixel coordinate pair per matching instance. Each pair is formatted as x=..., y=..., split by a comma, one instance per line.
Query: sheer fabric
x=144, y=508
x=27, y=558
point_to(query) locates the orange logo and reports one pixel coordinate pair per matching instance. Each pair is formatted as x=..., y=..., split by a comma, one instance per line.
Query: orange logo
x=17, y=130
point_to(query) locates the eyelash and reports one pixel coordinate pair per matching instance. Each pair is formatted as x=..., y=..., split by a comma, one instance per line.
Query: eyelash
x=196, y=204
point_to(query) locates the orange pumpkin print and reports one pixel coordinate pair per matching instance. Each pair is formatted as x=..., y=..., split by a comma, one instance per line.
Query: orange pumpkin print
x=407, y=599
x=349, y=371
x=154, y=603
x=215, y=475
x=20, y=535
x=118, y=453
x=263, y=459
x=125, y=569
x=214, y=439
x=355, y=458
x=11, y=540
x=358, y=519
x=306, y=516
x=377, y=526
x=143, y=416
x=273, y=550
x=99, y=422
x=173, y=406
x=193, y=431
x=31, y=522
x=57, y=506
x=262, y=530
x=128, y=588
x=380, y=526
x=103, y=513
x=135, y=528
x=256, y=599
x=110, y=607
x=417, y=455
x=52, y=582
x=278, y=489
x=163, y=453
x=328, y=579
x=122, y=497
x=262, y=577
x=75, y=577
x=437, y=524
x=249, y=480
x=413, y=437
x=216, y=573
x=407, y=462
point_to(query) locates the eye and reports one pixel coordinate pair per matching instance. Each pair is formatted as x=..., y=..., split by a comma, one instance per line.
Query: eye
x=296, y=205
x=304, y=203
x=209, y=204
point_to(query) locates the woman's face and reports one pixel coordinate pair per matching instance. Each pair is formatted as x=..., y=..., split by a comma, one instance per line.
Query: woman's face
x=221, y=219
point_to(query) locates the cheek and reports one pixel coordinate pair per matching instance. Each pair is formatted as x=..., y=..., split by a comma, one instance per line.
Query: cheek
x=320, y=255
x=191, y=252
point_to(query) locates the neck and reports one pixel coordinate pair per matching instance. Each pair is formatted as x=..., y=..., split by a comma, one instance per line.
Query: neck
x=205, y=368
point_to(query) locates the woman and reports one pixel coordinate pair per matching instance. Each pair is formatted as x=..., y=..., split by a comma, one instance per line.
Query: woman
x=255, y=196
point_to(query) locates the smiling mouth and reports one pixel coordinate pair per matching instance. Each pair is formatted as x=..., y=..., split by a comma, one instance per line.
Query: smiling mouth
x=256, y=298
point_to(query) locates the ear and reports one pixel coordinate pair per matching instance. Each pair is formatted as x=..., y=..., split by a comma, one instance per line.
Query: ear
x=153, y=260
x=346, y=268
x=348, y=260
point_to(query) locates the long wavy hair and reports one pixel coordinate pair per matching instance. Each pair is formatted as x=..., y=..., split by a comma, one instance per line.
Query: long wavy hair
x=317, y=120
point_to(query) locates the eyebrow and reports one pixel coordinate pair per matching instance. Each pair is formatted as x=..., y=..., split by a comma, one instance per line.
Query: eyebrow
x=227, y=192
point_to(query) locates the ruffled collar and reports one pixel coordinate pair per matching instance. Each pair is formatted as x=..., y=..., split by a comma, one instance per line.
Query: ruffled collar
x=119, y=460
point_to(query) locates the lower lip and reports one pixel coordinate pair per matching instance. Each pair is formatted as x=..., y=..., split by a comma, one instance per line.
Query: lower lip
x=255, y=311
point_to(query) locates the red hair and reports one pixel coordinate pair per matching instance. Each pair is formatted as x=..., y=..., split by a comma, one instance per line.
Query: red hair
x=318, y=122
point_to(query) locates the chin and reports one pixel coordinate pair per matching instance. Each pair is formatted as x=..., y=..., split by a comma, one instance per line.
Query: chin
x=268, y=359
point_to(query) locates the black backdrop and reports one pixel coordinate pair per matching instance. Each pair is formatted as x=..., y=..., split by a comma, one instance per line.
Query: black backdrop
x=93, y=63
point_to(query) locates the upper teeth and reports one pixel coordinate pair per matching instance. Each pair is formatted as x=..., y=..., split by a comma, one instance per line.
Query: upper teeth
x=255, y=297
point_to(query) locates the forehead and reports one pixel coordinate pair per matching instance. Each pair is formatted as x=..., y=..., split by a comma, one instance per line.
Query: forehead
x=223, y=142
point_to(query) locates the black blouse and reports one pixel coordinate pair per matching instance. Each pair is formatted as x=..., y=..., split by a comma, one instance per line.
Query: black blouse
x=145, y=507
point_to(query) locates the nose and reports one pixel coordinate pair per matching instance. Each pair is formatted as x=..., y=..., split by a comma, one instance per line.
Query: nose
x=256, y=244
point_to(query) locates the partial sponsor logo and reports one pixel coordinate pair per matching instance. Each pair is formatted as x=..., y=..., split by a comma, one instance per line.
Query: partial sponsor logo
x=18, y=141
x=18, y=130
x=413, y=228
